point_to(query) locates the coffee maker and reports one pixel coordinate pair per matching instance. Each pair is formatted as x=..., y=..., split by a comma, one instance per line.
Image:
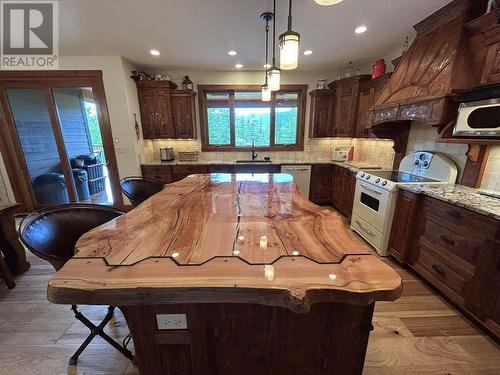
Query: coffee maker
x=166, y=153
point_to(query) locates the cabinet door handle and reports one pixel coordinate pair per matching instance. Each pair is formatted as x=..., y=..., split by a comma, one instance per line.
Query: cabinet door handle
x=454, y=213
x=438, y=270
x=447, y=239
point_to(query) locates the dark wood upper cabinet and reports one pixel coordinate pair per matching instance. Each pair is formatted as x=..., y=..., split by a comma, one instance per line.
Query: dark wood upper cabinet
x=166, y=113
x=321, y=114
x=346, y=102
x=183, y=109
x=484, y=35
x=369, y=92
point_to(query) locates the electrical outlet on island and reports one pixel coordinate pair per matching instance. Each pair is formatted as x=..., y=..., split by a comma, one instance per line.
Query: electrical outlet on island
x=171, y=321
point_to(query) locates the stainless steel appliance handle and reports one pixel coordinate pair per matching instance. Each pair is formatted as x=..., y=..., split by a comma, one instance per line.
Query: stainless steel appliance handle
x=370, y=189
x=364, y=229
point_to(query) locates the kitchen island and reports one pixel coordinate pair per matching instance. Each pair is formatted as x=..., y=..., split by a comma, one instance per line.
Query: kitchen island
x=233, y=274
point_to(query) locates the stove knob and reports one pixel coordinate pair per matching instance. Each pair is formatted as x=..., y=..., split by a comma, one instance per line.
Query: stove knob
x=362, y=175
x=377, y=180
x=368, y=176
x=416, y=162
x=384, y=183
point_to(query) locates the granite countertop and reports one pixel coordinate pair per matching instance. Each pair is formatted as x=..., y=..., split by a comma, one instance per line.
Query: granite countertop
x=459, y=195
x=352, y=168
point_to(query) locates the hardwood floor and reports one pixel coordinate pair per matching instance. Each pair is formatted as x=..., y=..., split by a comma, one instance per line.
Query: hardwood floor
x=418, y=334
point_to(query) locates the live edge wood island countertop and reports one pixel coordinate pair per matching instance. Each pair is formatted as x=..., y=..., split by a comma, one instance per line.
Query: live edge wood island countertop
x=225, y=238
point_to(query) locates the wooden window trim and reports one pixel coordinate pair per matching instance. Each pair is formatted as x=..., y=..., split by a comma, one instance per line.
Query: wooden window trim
x=202, y=91
x=9, y=145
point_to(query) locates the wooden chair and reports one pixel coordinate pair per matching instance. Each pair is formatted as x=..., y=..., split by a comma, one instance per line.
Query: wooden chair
x=138, y=189
x=51, y=234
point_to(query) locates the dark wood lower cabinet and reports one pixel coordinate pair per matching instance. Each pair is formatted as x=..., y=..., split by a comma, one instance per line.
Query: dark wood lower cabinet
x=171, y=173
x=321, y=183
x=343, y=186
x=454, y=249
x=250, y=339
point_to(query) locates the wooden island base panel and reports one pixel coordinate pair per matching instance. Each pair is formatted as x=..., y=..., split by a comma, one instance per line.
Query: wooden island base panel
x=259, y=279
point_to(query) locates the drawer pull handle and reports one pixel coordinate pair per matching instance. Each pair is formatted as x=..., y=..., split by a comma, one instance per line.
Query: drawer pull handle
x=454, y=214
x=447, y=239
x=369, y=232
x=438, y=270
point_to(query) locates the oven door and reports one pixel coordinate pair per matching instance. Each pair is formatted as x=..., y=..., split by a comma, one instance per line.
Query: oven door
x=371, y=204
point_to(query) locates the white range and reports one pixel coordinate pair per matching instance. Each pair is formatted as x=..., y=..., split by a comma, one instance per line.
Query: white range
x=375, y=195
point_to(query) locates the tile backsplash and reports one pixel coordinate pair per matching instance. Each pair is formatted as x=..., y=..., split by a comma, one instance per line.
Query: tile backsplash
x=491, y=177
x=378, y=152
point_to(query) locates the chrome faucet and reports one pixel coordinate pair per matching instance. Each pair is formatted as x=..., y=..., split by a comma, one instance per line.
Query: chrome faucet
x=254, y=154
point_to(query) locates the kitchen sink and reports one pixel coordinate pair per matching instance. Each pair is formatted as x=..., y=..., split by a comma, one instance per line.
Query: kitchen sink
x=253, y=161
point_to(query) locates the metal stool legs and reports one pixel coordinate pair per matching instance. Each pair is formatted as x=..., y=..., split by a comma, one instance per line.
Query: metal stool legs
x=97, y=330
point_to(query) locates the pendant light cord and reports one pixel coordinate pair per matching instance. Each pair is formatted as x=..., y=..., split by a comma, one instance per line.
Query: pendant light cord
x=290, y=16
x=274, y=33
x=267, y=47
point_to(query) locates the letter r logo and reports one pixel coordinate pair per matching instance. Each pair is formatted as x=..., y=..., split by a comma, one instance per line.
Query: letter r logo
x=28, y=27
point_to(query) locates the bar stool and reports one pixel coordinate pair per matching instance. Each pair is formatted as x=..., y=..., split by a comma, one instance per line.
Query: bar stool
x=51, y=234
x=138, y=189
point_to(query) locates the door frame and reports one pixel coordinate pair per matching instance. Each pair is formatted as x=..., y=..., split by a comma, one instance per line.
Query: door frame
x=9, y=142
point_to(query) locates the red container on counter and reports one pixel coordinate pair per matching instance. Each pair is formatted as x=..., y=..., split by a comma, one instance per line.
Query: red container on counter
x=378, y=68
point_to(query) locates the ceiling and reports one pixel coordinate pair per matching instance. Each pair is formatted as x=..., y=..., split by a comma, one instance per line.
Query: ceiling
x=196, y=34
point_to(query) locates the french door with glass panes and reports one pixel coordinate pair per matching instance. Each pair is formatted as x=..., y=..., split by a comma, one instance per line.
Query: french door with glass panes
x=57, y=143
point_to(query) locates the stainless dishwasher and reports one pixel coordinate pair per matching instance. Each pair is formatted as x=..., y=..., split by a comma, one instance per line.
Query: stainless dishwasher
x=301, y=175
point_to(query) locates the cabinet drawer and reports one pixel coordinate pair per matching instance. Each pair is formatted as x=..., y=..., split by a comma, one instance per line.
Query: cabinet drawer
x=221, y=168
x=461, y=243
x=442, y=273
x=156, y=169
x=257, y=168
x=189, y=169
x=480, y=224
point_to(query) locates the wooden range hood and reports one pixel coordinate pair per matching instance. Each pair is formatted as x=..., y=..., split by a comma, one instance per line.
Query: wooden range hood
x=426, y=83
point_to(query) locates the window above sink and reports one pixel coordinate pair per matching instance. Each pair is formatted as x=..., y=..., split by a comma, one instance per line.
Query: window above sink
x=234, y=118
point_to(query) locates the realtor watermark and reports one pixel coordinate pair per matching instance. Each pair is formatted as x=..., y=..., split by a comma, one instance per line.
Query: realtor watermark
x=29, y=35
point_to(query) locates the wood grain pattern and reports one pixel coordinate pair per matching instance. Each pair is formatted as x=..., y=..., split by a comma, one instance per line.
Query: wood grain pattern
x=437, y=65
x=37, y=337
x=202, y=236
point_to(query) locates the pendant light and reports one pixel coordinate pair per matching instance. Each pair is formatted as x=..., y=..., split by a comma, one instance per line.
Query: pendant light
x=328, y=2
x=289, y=45
x=266, y=92
x=274, y=73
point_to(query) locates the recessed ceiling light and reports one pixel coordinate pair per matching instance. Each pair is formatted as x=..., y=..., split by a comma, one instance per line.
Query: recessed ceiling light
x=232, y=53
x=238, y=66
x=328, y=2
x=267, y=66
x=155, y=52
x=308, y=52
x=360, y=29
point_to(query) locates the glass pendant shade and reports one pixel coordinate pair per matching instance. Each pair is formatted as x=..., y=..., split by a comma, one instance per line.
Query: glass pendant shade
x=266, y=93
x=289, y=50
x=274, y=78
x=328, y=2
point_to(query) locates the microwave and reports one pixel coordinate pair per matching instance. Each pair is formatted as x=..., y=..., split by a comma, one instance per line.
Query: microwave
x=478, y=118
